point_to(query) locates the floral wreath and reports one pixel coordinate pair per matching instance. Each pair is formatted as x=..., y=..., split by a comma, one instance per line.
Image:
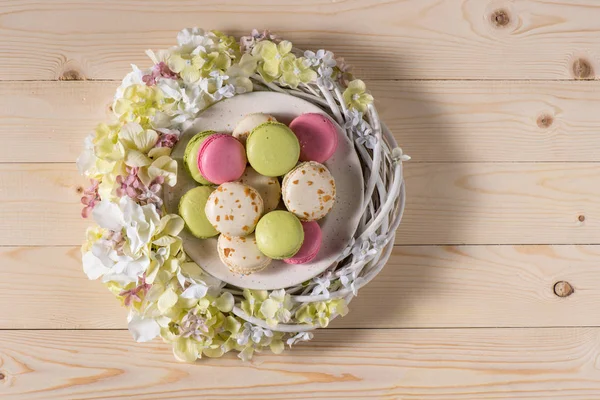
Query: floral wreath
x=136, y=249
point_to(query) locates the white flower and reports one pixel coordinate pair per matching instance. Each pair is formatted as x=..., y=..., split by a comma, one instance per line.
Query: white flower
x=300, y=337
x=322, y=284
x=324, y=78
x=142, y=329
x=353, y=118
x=365, y=135
x=86, y=161
x=189, y=100
x=132, y=78
x=124, y=259
x=256, y=333
x=191, y=39
x=378, y=241
x=398, y=155
x=215, y=86
x=351, y=281
x=195, y=291
x=363, y=251
x=276, y=308
x=321, y=57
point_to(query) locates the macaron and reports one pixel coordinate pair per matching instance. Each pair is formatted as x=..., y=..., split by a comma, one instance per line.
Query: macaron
x=318, y=137
x=309, y=191
x=190, y=157
x=234, y=209
x=272, y=149
x=279, y=235
x=221, y=158
x=241, y=254
x=248, y=123
x=191, y=209
x=267, y=186
x=313, y=237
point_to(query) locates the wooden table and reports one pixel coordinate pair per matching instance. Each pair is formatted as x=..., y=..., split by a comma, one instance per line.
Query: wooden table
x=497, y=103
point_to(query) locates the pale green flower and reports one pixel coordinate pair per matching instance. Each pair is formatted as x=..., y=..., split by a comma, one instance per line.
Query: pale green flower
x=163, y=166
x=240, y=73
x=295, y=70
x=187, y=65
x=253, y=300
x=355, y=96
x=137, y=143
x=270, y=56
x=92, y=235
x=227, y=44
x=138, y=104
x=320, y=313
x=276, y=309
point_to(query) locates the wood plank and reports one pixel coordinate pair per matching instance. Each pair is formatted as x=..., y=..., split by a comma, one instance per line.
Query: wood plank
x=465, y=203
x=465, y=364
x=432, y=120
x=518, y=203
x=429, y=39
x=40, y=205
x=421, y=287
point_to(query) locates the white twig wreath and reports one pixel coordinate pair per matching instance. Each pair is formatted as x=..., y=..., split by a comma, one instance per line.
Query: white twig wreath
x=136, y=250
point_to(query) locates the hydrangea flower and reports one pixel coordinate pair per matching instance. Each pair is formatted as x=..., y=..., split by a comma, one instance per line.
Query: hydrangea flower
x=247, y=43
x=270, y=56
x=138, y=104
x=240, y=73
x=300, y=337
x=159, y=70
x=90, y=198
x=276, y=308
x=320, y=313
x=321, y=57
x=296, y=70
x=355, y=96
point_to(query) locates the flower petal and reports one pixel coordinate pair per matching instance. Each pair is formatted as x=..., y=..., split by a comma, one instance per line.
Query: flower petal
x=143, y=329
x=196, y=291
x=108, y=215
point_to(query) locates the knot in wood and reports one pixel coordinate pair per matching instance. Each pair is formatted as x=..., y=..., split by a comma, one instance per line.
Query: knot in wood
x=545, y=121
x=581, y=218
x=2, y=376
x=71, y=75
x=500, y=18
x=79, y=189
x=563, y=289
x=582, y=69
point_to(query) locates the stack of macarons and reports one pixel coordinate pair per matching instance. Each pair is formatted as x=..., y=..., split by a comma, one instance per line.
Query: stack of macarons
x=262, y=189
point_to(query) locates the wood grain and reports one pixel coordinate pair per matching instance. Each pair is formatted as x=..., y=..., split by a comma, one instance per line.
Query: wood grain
x=517, y=203
x=424, y=287
x=460, y=121
x=469, y=203
x=465, y=364
x=384, y=39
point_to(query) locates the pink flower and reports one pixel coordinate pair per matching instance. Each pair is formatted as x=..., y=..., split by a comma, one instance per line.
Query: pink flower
x=167, y=140
x=160, y=70
x=133, y=295
x=132, y=186
x=248, y=42
x=90, y=198
x=128, y=185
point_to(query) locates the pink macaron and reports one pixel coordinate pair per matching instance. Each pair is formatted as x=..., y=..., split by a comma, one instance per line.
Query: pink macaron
x=311, y=245
x=221, y=159
x=318, y=136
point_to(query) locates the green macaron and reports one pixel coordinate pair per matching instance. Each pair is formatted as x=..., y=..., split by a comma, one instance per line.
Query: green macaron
x=191, y=209
x=272, y=149
x=279, y=234
x=190, y=157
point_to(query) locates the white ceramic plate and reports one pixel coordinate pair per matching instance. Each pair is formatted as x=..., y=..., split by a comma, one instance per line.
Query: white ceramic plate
x=338, y=226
